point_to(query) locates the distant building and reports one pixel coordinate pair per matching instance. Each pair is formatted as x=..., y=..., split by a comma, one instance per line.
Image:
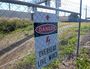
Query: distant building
x=64, y=18
x=68, y=19
x=27, y=15
x=88, y=18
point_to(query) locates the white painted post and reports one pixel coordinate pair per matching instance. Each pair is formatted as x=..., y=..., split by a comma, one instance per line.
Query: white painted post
x=9, y=6
x=58, y=4
x=47, y=3
x=34, y=8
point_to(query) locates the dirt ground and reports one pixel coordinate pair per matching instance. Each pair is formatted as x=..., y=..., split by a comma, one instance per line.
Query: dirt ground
x=15, y=54
x=85, y=40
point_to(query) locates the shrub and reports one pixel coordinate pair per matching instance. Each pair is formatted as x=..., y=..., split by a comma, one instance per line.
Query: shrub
x=26, y=63
x=9, y=25
x=64, y=41
x=54, y=65
x=72, y=41
x=83, y=61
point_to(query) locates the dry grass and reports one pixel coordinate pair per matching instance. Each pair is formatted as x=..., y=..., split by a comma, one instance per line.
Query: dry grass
x=23, y=28
x=61, y=24
x=13, y=37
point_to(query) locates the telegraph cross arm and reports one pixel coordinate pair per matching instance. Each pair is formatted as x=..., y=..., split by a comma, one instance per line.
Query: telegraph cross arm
x=42, y=1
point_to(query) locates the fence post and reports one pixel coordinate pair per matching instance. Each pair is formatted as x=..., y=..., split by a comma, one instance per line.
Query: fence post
x=79, y=28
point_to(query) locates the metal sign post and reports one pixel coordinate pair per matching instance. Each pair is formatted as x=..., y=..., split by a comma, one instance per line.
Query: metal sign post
x=79, y=28
x=45, y=32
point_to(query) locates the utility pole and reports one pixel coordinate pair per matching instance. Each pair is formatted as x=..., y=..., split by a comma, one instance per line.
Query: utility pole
x=86, y=13
x=9, y=7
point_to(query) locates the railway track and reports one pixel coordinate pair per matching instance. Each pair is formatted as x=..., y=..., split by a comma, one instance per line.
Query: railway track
x=14, y=45
x=18, y=43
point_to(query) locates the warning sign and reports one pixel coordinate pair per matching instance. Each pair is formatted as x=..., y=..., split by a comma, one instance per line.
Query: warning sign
x=45, y=32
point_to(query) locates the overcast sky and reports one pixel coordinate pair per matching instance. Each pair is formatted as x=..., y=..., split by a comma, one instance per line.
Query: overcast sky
x=74, y=5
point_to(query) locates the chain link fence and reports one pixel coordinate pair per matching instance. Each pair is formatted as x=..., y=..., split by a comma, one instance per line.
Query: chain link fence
x=17, y=34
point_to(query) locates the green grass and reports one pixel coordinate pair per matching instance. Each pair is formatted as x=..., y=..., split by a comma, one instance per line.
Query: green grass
x=54, y=65
x=83, y=61
x=68, y=45
x=30, y=61
x=27, y=62
x=85, y=28
x=63, y=50
x=14, y=25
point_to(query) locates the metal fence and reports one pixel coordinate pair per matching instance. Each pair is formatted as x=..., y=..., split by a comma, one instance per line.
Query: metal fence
x=16, y=36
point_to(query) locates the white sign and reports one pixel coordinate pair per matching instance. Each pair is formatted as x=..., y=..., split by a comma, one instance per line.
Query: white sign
x=45, y=32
